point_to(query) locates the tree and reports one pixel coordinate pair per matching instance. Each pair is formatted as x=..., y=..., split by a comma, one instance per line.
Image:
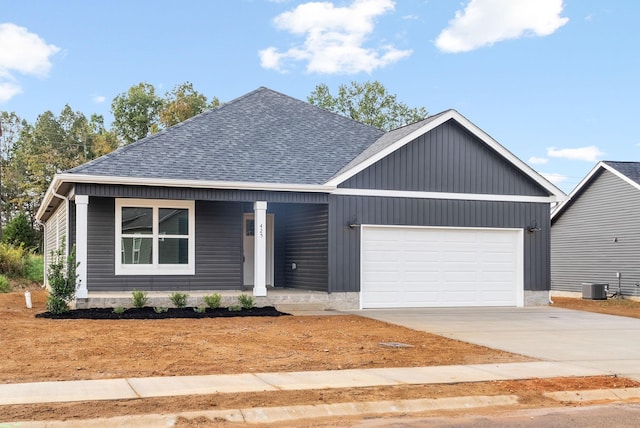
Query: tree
x=19, y=231
x=182, y=103
x=136, y=112
x=10, y=126
x=369, y=103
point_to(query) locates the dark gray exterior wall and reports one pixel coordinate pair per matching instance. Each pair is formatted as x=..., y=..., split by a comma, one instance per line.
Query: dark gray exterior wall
x=307, y=246
x=146, y=192
x=218, y=251
x=446, y=159
x=344, y=242
x=584, y=246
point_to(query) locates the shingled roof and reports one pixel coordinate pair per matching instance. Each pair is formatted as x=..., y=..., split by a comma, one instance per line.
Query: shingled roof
x=629, y=169
x=261, y=137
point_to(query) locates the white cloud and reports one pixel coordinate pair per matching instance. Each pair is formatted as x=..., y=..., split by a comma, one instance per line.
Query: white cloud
x=99, y=99
x=538, y=161
x=411, y=17
x=485, y=22
x=24, y=53
x=554, y=177
x=334, y=38
x=588, y=154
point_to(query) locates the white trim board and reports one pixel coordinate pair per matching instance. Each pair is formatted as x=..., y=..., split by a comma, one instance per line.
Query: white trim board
x=443, y=195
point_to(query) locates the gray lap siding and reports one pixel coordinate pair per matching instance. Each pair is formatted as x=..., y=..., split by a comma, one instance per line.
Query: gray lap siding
x=344, y=242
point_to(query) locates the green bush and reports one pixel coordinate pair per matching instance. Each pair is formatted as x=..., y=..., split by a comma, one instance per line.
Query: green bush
x=160, y=309
x=5, y=287
x=213, y=300
x=118, y=310
x=62, y=280
x=13, y=260
x=18, y=231
x=200, y=309
x=35, y=268
x=139, y=298
x=179, y=300
x=246, y=301
x=234, y=308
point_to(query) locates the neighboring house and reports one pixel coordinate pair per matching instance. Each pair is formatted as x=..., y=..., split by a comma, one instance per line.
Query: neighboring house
x=269, y=191
x=595, y=233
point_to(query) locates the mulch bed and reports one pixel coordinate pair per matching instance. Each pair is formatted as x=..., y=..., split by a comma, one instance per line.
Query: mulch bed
x=150, y=313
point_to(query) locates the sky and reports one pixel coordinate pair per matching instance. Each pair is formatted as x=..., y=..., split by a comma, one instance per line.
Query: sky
x=555, y=82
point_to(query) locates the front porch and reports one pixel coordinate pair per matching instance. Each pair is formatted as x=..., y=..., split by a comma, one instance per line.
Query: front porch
x=284, y=299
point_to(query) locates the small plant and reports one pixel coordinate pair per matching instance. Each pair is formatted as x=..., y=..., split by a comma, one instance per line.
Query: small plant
x=179, y=299
x=246, y=301
x=118, y=310
x=160, y=309
x=62, y=280
x=213, y=300
x=5, y=287
x=13, y=259
x=234, y=308
x=139, y=298
x=200, y=309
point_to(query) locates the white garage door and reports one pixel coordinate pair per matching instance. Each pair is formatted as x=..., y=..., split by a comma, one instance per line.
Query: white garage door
x=407, y=267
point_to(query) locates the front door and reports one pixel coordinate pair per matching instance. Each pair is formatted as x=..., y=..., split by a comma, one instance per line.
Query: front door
x=248, y=230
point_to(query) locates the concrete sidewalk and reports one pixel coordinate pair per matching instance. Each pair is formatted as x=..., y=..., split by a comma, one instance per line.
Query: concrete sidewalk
x=116, y=389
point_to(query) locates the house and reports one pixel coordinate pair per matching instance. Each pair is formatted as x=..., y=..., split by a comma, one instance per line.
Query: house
x=595, y=236
x=268, y=192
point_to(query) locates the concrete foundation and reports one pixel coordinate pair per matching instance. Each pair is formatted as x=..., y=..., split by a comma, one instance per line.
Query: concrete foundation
x=536, y=298
x=283, y=299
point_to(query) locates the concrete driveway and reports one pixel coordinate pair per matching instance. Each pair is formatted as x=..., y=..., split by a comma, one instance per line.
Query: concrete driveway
x=552, y=334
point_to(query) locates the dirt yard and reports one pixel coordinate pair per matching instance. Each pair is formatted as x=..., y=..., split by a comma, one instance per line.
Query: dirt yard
x=622, y=307
x=36, y=349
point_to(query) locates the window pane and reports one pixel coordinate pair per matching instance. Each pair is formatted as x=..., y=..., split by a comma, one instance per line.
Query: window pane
x=137, y=220
x=173, y=251
x=173, y=221
x=137, y=251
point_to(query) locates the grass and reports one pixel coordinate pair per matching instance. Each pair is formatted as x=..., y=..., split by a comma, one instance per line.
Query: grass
x=35, y=268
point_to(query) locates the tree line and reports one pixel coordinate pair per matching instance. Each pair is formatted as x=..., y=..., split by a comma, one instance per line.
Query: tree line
x=32, y=153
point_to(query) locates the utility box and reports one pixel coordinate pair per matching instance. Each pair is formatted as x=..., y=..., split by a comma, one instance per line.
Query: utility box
x=591, y=291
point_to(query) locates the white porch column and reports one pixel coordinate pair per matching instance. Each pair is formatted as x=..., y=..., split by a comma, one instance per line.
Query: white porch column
x=260, y=249
x=82, y=204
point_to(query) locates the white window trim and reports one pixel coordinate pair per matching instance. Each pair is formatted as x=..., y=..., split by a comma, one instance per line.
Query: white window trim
x=155, y=268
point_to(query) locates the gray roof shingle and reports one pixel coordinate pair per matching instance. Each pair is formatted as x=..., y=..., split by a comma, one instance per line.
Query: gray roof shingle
x=629, y=169
x=261, y=137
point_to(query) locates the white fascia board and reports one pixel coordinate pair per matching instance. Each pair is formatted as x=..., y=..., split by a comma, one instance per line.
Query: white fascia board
x=443, y=195
x=587, y=179
x=486, y=138
x=167, y=182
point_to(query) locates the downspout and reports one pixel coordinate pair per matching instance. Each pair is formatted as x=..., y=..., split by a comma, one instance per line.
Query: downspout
x=44, y=265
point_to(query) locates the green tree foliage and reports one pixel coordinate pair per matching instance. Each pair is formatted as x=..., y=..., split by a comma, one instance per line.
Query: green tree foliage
x=182, y=103
x=19, y=232
x=369, y=103
x=136, y=112
x=62, y=278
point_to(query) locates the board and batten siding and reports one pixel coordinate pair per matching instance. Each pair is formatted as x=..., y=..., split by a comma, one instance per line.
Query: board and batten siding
x=597, y=236
x=344, y=242
x=306, y=238
x=446, y=159
x=218, y=251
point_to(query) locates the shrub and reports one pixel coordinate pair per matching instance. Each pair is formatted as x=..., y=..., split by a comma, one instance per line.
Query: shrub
x=35, y=268
x=62, y=280
x=213, y=300
x=235, y=308
x=19, y=232
x=13, y=260
x=160, y=309
x=118, y=310
x=179, y=299
x=246, y=301
x=5, y=287
x=200, y=309
x=139, y=298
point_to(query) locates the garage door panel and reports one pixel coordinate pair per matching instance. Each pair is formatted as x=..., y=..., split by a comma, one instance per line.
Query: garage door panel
x=430, y=267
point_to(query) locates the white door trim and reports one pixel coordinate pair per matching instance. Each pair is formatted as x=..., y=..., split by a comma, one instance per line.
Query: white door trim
x=270, y=250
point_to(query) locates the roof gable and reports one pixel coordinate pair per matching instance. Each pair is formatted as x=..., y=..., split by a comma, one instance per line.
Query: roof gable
x=394, y=140
x=628, y=172
x=261, y=137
